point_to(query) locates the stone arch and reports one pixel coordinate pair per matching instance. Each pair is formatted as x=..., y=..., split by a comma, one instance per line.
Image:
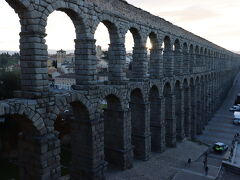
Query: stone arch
x=137, y=53
x=178, y=57
x=168, y=64
x=197, y=49
x=193, y=108
x=205, y=51
x=191, y=56
x=116, y=52
x=139, y=86
x=196, y=57
x=63, y=102
x=185, y=47
x=117, y=134
x=186, y=107
x=73, y=12
x=140, y=125
x=179, y=110
x=23, y=110
x=198, y=105
x=176, y=45
x=31, y=138
x=156, y=124
x=81, y=132
x=201, y=50
x=137, y=37
x=167, y=43
x=71, y=9
x=113, y=30
x=155, y=54
x=186, y=62
x=121, y=95
x=82, y=125
x=170, y=124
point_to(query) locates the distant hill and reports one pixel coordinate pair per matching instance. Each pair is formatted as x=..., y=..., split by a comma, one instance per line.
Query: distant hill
x=50, y=51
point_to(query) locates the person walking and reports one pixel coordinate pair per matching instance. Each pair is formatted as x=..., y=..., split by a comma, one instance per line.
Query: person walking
x=205, y=163
x=206, y=170
x=189, y=162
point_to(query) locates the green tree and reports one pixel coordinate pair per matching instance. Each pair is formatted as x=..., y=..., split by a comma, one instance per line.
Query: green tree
x=9, y=82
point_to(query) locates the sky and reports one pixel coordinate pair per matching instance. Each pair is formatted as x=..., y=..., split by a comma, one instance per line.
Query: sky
x=215, y=20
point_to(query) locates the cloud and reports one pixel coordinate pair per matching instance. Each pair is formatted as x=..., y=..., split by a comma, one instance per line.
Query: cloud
x=192, y=13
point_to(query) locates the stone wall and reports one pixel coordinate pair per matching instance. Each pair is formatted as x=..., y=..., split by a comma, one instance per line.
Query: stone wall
x=189, y=78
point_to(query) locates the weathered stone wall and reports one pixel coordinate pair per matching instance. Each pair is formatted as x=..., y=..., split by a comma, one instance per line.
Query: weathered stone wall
x=188, y=79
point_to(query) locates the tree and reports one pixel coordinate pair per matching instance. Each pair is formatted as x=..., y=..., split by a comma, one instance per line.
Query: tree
x=9, y=82
x=54, y=64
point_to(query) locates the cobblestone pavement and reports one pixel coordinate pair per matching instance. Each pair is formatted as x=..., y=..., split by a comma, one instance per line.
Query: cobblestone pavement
x=161, y=166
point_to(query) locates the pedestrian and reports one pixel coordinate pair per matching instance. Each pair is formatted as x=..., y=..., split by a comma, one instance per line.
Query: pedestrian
x=189, y=162
x=206, y=170
x=205, y=163
x=206, y=154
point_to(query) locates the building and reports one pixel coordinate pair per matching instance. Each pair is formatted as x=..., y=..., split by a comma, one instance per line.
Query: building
x=65, y=81
x=61, y=56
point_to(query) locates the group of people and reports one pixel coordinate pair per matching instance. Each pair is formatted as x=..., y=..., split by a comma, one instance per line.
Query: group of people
x=205, y=163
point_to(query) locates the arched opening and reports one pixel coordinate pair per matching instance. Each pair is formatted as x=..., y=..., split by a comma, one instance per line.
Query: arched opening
x=167, y=57
x=198, y=106
x=178, y=58
x=202, y=96
x=186, y=64
x=197, y=59
x=113, y=58
x=193, y=109
x=167, y=43
x=153, y=56
x=170, y=124
x=140, y=130
x=62, y=126
x=200, y=56
x=139, y=64
x=178, y=111
x=186, y=101
x=9, y=131
x=117, y=134
x=9, y=50
x=132, y=42
x=102, y=45
x=156, y=128
x=205, y=99
x=60, y=43
x=81, y=141
x=192, y=60
x=205, y=58
x=78, y=147
x=22, y=149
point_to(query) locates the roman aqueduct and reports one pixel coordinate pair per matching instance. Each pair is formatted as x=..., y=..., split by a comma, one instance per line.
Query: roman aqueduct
x=171, y=99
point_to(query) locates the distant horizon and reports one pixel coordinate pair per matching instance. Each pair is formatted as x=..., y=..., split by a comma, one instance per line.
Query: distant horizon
x=51, y=51
x=54, y=51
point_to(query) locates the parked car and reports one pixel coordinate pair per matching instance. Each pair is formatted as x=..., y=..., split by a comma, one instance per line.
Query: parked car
x=220, y=147
x=236, y=121
x=234, y=108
